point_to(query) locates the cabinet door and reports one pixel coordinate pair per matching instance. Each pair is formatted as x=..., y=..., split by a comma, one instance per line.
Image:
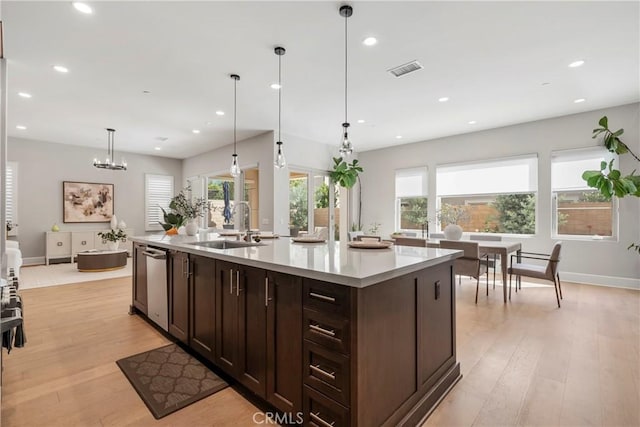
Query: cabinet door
x=139, y=279
x=179, y=295
x=252, y=333
x=58, y=244
x=203, y=305
x=436, y=315
x=82, y=241
x=284, y=342
x=226, y=349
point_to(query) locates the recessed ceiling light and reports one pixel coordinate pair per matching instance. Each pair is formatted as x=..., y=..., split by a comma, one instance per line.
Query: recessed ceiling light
x=220, y=113
x=21, y=127
x=576, y=64
x=61, y=68
x=472, y=122
x=579, y=100
x=398, y=136
x=443, y=99
x=82, y=7
x=275, y=86
x=24, y=94
x=196, y=131
x=361, y=121
x=157, y=148
x=546, y=84
x=146, y=92
x=370, y=41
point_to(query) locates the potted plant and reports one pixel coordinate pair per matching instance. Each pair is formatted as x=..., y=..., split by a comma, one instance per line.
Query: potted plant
x=451, y=215
x=346, y=175
x=184, y=210
x=113, y=238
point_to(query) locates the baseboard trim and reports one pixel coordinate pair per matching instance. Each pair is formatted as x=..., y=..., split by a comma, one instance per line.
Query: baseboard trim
x=36, y=260
x=594, y=279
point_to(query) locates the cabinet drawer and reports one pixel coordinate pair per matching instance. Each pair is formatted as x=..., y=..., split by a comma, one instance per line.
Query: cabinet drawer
x=327, y=372
x=326, y=297
x=58, y=244
x=328, y=330
x=320, y=411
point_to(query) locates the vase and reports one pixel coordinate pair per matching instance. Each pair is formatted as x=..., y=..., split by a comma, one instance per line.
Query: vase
x=113, y=246
x=114, y=222
x=192, y=227
x=453, y=232
x=172, y=231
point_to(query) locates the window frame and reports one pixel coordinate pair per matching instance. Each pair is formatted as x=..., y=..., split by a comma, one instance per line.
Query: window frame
x=424, y=172
x=12, y=178
x=615, y=215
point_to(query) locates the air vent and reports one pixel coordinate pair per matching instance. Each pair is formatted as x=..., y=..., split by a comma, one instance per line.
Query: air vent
x=407, y=68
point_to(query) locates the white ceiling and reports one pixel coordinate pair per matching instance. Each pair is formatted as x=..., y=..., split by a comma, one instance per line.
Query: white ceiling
x=490, y=58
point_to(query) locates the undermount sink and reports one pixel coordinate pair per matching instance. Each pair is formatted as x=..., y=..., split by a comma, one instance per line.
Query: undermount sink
x=226, y=244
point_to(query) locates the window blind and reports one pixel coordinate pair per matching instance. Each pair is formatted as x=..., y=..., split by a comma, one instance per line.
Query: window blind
x=500, y=176
x=158, y=191
x=567, y=167
x=411, y=182
x=11, y=192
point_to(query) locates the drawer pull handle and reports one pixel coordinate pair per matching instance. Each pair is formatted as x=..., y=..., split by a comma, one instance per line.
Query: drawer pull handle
x=318, y=420
x=84, y=242
x=322, y=297
x=318, y=369
x=319, y=329
x=59, y=243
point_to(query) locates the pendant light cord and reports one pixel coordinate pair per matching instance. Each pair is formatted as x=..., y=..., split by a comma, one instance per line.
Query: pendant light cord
x=279, y=96
x=235, y=103
x=345, y=67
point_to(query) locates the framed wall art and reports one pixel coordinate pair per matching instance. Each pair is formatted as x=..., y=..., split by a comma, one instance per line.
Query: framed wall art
x=87, y=202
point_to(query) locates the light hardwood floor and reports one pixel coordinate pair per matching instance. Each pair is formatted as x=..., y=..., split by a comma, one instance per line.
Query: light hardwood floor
x=524, y=363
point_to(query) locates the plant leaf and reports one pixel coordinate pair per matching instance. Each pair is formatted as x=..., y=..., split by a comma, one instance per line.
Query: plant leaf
x=604, y=122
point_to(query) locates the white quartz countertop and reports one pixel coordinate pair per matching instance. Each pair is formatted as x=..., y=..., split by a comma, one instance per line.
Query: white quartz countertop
x=332, y=261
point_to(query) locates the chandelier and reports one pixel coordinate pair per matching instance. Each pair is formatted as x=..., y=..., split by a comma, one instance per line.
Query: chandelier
x=110, y=162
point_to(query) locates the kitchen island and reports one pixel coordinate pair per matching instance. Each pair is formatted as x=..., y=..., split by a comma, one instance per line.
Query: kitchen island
x=328, y=334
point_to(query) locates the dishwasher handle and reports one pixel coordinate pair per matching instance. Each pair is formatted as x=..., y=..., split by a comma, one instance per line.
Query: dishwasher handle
x=155, y=253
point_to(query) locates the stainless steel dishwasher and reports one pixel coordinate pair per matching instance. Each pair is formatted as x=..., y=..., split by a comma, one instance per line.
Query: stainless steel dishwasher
x=157, y=286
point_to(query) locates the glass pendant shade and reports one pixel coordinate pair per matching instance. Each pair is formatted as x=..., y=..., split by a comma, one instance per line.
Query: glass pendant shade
x=280, y=159
x=234, y=170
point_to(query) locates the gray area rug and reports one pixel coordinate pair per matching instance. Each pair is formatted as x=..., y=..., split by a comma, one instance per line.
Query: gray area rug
x=168, y=379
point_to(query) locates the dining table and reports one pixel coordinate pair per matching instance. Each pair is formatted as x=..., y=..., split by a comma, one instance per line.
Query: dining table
x=491, y=247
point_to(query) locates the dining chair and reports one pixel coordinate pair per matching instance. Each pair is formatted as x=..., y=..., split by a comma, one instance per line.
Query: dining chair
x=493, y=261
x=548, y=271
x=410, y=241
x=471, y=263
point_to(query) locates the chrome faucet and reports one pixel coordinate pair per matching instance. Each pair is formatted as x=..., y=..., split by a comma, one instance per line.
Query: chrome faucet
x=246, y=220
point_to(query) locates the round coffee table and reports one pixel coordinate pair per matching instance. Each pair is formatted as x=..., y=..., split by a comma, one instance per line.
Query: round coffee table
x=102, y=260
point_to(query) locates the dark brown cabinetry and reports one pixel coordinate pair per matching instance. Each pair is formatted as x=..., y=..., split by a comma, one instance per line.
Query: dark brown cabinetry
x=203, y=307
x=178, y=303
x=139, y=278
x=241, y=324
x=284, y=341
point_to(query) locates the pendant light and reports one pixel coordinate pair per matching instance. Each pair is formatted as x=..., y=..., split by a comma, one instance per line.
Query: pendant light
x=110, y=162
x=280, y=160
x=345, y=147
x=235, y=169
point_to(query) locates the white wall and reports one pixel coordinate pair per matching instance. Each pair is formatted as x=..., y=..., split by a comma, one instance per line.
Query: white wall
x=599, y=262
x=43, y=166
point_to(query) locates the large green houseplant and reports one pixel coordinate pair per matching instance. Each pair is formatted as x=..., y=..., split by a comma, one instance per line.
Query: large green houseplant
x=346, y=175
x=609, y=181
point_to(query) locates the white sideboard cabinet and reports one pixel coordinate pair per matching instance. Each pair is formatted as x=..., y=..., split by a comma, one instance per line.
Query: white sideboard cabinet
x=67, y=244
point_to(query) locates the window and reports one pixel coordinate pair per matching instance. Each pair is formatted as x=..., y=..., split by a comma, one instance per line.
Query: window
x=12, y=197
x=158, y=192
x=496, y=196
x=411, y=198
x=299, y=201
x=577, y=209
